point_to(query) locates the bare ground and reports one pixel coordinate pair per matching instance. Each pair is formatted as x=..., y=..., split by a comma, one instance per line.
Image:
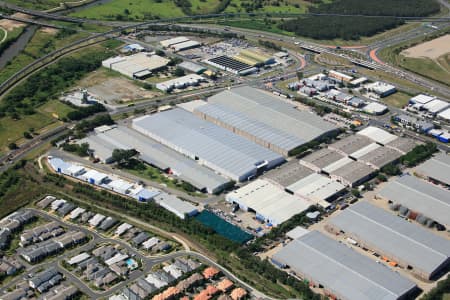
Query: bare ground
x=431, y=49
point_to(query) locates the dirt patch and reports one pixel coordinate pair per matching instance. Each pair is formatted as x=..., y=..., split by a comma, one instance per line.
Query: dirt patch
x=115, y=89
x=10, y=25
x=52, y=31
x=431, y=49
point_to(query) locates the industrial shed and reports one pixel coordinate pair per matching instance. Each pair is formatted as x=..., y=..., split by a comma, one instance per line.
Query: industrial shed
x=270, y=203
x=208, y=144
x=139, y=65
x=321, y=159
x=178, y=207
x=436, y=169
x=279, y=124
x=166, y=159
x=378, y=135
x=318, y=188
x=404, y=145
x=290, y=173
x=351, y=173
x=344, y=273
x=405, y=243
x=173, y=41
x=231, y=65
x=192, y=67
x=380, y=157
x=350, y=144
x=419, y=196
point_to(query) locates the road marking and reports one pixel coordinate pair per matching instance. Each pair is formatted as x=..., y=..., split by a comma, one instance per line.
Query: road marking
x=6, y=35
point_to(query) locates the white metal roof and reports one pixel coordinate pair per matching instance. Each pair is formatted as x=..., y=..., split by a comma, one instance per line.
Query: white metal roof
x=173, y=41
x=393, y=236
x=213, y=146
x=296, y=232
x=378, y=135
x=185, y=45
x=337, y=165
x=341, y=270
x=436, y=106
x=317, y=188
x=363, y=151
x=420, y=196
x=120, y=185
x=445, y=114
x=78, y=258
x=421, y=99
x=268, y=200
x=374, y=107
x=93, y=174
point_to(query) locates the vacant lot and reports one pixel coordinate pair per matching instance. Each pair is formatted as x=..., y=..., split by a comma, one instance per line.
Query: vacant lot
x=431, y=49
x=113, y=88
x=398, y=99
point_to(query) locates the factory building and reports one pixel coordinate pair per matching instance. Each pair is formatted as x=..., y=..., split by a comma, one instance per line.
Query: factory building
x=436, y=169
x=343, y=273
x=320, y=159
x=136, y=66
x=180, y=83
x=445, y=115
x=412, y=122
x=374, y=108
x=178, y=207
x=192, y=67
x=208, y=144
x=264, y=119
x=400, y=241
x=163, y=158
x=173, y=41
x=339, y=76
x=185, y=46
x=350, y=144
x=420, y=197
x=380, y=157
x=254, y=58
x=349, y=172
x=270, y=202
x=378, y=135
x=290, y=173
x=231, y=65
x=381, y=89
x=403, y=145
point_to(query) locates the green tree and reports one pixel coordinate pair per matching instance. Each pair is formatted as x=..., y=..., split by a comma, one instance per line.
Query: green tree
x=122, y=157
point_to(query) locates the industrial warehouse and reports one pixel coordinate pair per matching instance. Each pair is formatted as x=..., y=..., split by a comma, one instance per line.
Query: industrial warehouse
x=264, y=119
x=344, y=273
x=136, y=66
x=401, y=242
x=436, y=169
x=208, y=144
x=270, y=203
x=420, y=197
x=155, y=154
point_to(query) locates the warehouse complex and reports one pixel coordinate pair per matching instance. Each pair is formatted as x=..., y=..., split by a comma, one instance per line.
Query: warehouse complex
x=395, y=238
x=155, y=154
x=270, y=203
x=231, y=65
x=420, y=197
x=208, y=144
x=343, y=272
x=436, y=169
x=264, y=119
x=139, y=65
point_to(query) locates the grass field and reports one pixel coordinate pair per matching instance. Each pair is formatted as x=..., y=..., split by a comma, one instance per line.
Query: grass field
x=398, y=99
x=36, y=4
x=291, y=6
x=428, y=68
x=201, y=7
x=41, y=43
x=3, y=34
x=137, y=10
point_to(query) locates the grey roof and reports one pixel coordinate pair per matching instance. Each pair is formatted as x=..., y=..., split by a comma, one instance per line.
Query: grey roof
x=322, y=158
x=215, y=147
x=354, y=171
x=437, y=168
x=341, y=270
x=263, y=107
x=351, y=144
x=380, y=157
x=403, y=145
x=262, y=131
x=163, y=157
x=393, y=236
x=420, y=196
x=290, y=173
x=191, y=67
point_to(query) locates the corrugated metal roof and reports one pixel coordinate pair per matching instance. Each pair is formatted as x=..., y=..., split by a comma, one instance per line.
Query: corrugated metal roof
x=351, y=144
x=341, y=270
x=213, y=146
x=420, y=196
x=256, y=128
x=163, y=157
x=266, y=108
x=316, y=187
x=437, y=168
x=365, y=150
x=322, y=158
x=393, y=236
x=378, y=135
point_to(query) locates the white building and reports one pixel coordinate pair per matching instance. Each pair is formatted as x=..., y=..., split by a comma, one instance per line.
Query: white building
x=180, y=83
x=139, y=65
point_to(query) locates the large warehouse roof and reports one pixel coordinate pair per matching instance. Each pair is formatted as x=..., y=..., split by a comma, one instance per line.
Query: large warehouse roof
x=317, y=188
x=420, y=196
x=321, y=158
x=352, y=172
x=380, y=157
x=266, y=108
x=163, y=157
x=404, y=145
x=263, y=132
x=378, y=135
x=268, y=201
x=350, y=144
x=393, y=236
x=213, y=146
x=290, y=173
x=344, y=272
x=436, y=168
